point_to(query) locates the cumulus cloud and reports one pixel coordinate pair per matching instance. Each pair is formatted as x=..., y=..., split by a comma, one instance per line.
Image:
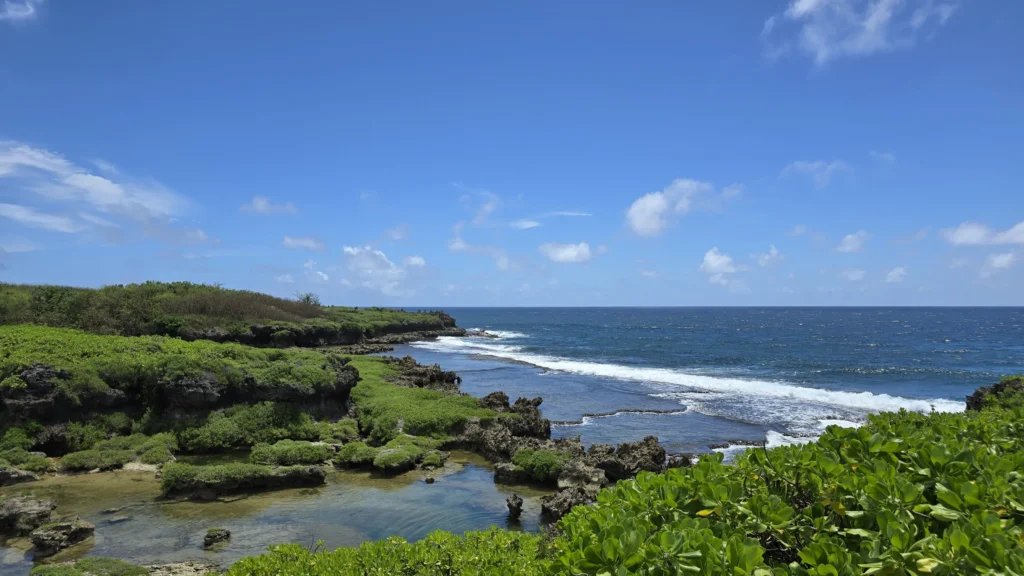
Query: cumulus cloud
x=19, y=10
x=976, y=234
x=263, y=205
x=852, y=275
x=896, y=275
x=373, y=270
x=853, y=242
x=819, y=171
x=306, y=243
x=652, y=213
x=826, y=30
x=566, y=253
x=769, y=258
x=719, y=267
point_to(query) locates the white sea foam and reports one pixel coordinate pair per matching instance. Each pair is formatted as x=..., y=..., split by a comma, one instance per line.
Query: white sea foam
x=772, y=389
x=501, y=334
x=825, y=423
x=775, y=439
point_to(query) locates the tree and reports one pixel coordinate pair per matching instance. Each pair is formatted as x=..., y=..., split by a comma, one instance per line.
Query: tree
x=308, y=298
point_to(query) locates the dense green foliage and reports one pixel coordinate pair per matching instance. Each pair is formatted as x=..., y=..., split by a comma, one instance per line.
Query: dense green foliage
x=23, y=460
x=401, y=453
x=120, y=450
x=91, y=567
x=183, y=308
x=96, y=459
x=543, y=466
x=177, y=477
x=99, y=362
x=355, y=455
x=344, y=430
x=495, y=552
x=290, y=452
x=242, y=426
x=1012, y=398
x=423, y=412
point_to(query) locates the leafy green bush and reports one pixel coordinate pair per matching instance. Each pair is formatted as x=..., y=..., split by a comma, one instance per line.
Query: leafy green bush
x=355, y=455
x=23, y=460
x=96, y=459
x=1009, y=399
x=494, y=552
x=16, y=438
x=344, y=430
x=543, y=466
x=423, y=412
x=242, y=426
x=156, y=455
x=83, y=436
x=290, y=452
x=185, y=478
x=91, y=567
x=434, y=459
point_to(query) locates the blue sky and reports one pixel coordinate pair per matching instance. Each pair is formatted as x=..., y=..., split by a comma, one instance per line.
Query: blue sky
x=790, y=152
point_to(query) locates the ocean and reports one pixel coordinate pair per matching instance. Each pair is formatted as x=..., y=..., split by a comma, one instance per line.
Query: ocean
x=705, y=379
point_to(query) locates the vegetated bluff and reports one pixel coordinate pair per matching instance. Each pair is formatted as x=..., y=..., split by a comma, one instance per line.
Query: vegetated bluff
x=204, y=312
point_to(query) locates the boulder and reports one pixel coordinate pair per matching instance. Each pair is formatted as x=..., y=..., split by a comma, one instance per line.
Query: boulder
x=557, y=505
x=40, y=398
x=51, y=538
x=497, y=401
x=21, y=515
x=977, y=400
x=414, y=375
x=515, y=507
x=578, y=472
x=631, y=458
x=506, y=473
x=10, y=476
x=215, y=536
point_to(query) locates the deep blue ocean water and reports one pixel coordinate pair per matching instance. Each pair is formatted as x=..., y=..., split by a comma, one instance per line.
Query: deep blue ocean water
x=729, y=374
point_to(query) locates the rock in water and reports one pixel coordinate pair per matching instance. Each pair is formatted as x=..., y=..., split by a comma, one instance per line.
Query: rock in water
x=9, y=476
x=557, y=505
x=515, y=507
x=56, y=536
x=23, y=514
x=215, y=536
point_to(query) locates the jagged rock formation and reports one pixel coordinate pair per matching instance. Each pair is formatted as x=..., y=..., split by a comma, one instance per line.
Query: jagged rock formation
x=51, y=538
x=1006, y=387
x=515, y=507
x=21, y=515
x=414, y=375
x=215, y=536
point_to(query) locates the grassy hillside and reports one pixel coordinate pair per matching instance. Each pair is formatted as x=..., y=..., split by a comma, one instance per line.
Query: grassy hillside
x=906, y=494
x=199, y=311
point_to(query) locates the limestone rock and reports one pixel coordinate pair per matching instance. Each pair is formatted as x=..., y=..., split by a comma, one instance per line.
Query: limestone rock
x=515, y=507
x=56, y=536
x=23, y=514
x=557, y=505
x=976, y=401
x=215, y=536
x=10, y=476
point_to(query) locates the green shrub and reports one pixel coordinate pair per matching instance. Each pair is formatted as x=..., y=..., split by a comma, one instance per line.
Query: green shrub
x=96, y=459
x=23, y=460
x=177, y=477
x=434, y=459
x=423, y=412
x=1010, y=399
x=543, y=466
x=13, y=382
x=344, y=430
x=242, y=426
x=290, y=452
x=494, y=552
x=91, y=567
x=156, y=455
x=355, y=454
x=16, y=438
x=83, y=436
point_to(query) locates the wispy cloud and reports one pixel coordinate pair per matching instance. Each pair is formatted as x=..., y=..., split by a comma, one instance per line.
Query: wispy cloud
x=826, y=30
x=885, y=157
x=896, y=275
x=398, y=233
x=28, y=216
x=373, y=270
x=853, y=242
x=819, y=171
x=285, y=279
x=976, y=234
x=535, y=221
x=458, y=244
x=263, y=205
x=769, y=258
x=798, y=230
x=19, y=10
x=306, y=243
x=524, y=224
x=852, y=275
x=996, y=262
x=14, y=244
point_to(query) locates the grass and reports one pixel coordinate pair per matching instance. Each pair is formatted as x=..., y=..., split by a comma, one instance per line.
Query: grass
x=422, y=412
x=91, y=567
x=144, y=364
x=199, y=310
x=544, y=466
x=290, y=452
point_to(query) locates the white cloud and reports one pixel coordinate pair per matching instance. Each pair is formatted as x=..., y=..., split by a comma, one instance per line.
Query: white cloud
x=976, y=234
x=345, y=282
x=996, y=262
x=896, y=275
x=853, y=275
x=718, y=265
x=263, y=205
x=566, y=253
x=486, y=209
x=798, y=230
x=306, y=243
x=285, y=279
x=27, y=216
x=886, y=157
x=524, y=224
x=826, y=30
x=398, y=233
x=310, y=264
x=373, y=270
x=819, y=171
x=417, y=261
x=570, y=213
x=650, y=273
x=18, y=10
x=457, y=244
x=769, y=258
x=323, y=277
x=312, y=273
x=652, y=213
x=853, y=242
